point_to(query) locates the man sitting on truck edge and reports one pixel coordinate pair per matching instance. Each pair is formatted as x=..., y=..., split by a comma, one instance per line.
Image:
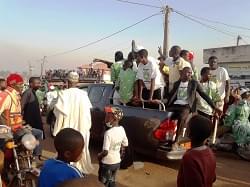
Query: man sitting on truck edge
x=182, y=98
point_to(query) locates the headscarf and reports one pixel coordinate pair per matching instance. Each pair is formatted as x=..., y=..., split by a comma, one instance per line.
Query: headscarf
x=14, y=78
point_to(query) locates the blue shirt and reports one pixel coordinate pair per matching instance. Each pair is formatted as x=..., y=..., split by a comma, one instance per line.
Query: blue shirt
x=55, y=172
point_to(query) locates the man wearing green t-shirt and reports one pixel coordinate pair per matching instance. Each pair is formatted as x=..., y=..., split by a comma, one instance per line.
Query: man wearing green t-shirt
x=126, y=82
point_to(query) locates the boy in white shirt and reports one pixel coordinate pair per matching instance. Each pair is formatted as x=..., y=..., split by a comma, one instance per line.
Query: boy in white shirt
x=114, y=139
x=149, y=77
x=220, y=77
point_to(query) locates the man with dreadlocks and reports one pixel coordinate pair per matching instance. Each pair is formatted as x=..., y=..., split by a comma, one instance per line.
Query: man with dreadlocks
x=114, y=138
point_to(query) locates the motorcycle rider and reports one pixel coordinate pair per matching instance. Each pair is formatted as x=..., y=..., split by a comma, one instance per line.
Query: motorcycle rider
x=10, y=107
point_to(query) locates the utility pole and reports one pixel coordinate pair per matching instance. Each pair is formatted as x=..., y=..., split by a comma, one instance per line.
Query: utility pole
x=42, y=66
x=30, y=69
x=238, y=40
x=166, y=32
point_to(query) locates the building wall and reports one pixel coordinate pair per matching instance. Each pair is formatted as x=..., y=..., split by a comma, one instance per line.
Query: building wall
x=228, y=54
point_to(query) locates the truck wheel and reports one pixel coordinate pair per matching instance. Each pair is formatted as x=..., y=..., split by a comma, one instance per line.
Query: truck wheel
x=128, y=157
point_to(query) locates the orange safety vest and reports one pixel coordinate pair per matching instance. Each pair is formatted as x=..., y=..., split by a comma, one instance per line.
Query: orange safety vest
x=11, y=116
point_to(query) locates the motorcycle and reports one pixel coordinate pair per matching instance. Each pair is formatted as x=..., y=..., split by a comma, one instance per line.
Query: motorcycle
x=18, y=148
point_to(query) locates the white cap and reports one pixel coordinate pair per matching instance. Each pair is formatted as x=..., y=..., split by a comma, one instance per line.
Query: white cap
x=138, y=48
x=52, y=87
x=243, y=90
x=73, y=76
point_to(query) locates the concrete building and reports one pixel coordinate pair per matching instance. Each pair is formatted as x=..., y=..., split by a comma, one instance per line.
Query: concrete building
x=236, y=59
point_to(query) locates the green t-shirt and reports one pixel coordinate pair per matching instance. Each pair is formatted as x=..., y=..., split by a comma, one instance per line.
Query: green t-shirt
x=126, y=81
x=115, y=70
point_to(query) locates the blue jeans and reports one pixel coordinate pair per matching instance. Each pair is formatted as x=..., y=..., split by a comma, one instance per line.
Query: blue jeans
x=107, y=174
x=39, y=136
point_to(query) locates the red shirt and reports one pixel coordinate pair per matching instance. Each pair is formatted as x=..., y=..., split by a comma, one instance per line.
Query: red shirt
x=197, y=168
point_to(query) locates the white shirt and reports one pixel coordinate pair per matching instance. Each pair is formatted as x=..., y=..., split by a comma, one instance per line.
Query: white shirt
x=114, y=138
x=72, y=110
x=182, y=95
x=150, y=71
x=220, y=76
x=51, y=96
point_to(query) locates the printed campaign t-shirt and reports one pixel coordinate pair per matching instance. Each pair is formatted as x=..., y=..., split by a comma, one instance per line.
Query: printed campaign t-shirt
x=182, y=94
x=150, y=71
x=210, y=88
x=55, y=172
x=174, y=70
x=114, y=138
x=219, y=77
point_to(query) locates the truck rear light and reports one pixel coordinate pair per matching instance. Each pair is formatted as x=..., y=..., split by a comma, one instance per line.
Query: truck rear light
x=166, y=131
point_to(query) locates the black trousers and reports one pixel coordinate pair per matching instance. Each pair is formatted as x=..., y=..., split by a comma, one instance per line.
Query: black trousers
x=180, y=113
x=146, y=94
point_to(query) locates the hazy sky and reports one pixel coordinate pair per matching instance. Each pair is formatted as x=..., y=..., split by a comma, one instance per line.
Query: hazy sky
x=30, y=29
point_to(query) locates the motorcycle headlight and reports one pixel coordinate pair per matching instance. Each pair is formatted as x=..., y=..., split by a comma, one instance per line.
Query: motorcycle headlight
x=29, y=142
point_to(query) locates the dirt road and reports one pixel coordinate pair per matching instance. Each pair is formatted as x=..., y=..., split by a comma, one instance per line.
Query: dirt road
x=231, y=170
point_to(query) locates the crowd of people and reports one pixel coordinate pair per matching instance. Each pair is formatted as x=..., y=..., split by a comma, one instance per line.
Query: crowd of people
x=84, y=73
x=197, y=98
x=188, y=92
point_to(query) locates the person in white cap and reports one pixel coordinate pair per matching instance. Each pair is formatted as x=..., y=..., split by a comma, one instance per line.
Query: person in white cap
x=72, y=110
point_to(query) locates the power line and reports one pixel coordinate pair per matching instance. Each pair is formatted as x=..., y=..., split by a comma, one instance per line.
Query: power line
x=141, y=4
x=217, y=22
x=161, y=2
x=204, y=24
x=244, y=41
x=106, y=37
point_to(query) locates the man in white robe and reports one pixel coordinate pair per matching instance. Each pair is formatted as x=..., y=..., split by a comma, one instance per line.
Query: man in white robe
x=72, y=110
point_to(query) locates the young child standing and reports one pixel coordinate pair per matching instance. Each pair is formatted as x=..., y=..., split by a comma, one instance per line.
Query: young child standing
x=198, y=164
x=114, y=138
x=69, y=145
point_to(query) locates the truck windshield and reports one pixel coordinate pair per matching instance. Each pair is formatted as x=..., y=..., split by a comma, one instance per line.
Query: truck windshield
x=96, y=94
